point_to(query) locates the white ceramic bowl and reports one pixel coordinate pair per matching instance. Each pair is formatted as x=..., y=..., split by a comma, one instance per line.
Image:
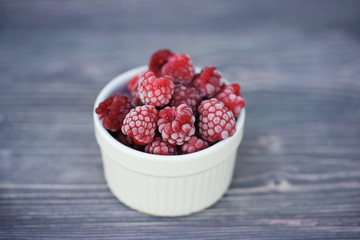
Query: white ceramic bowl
x=165, y=185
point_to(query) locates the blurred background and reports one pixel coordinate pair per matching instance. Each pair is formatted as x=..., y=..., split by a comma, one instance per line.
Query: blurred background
x=298, y=62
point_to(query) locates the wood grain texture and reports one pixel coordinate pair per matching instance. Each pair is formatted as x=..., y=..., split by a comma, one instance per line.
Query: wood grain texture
x=298, y=168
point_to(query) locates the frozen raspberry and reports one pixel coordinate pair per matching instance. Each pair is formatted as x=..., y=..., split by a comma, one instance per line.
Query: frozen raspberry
x=113, y=110
x=135, y=97
x=216, y=122
x=134, y=81
x=176, y=124
x=155, y=91
x=193, y=145
x=180, y=67
x=186, y=94
x=230, y=96
x=160, y=147
x=140, y=124
x=208, y=82
x=157, y=61
x=133, y=87
x=103, y=108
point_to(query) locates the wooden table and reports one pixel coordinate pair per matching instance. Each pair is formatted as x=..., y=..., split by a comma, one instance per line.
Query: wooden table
x=298, y=169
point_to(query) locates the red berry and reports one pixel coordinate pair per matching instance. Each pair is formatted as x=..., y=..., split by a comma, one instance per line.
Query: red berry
x=193, y=145
x=230, y=96
x=186, y=94
x=113, y=110
x=180, y=67
x=216, y=122
x=157, y=61
x=160, y=147
x=134, y=81
x=135, y=97
x=140, y=124
x=103, y=108
x=208, y=82
x=155, y=91
x=176, y=124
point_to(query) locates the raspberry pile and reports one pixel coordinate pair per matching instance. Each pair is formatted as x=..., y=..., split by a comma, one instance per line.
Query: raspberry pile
x=170, y=109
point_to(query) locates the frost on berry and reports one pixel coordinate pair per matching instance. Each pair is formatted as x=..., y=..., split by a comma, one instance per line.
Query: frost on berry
x=160, y=147
x=193, y=145
x=176, y=124
x=232, y=99
x=158, y=59
x=208, y=81
x=113, y=110
x=155, y=91
x=216, y=122
x=180, y=67
x=140, y=124
x=186, y=94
